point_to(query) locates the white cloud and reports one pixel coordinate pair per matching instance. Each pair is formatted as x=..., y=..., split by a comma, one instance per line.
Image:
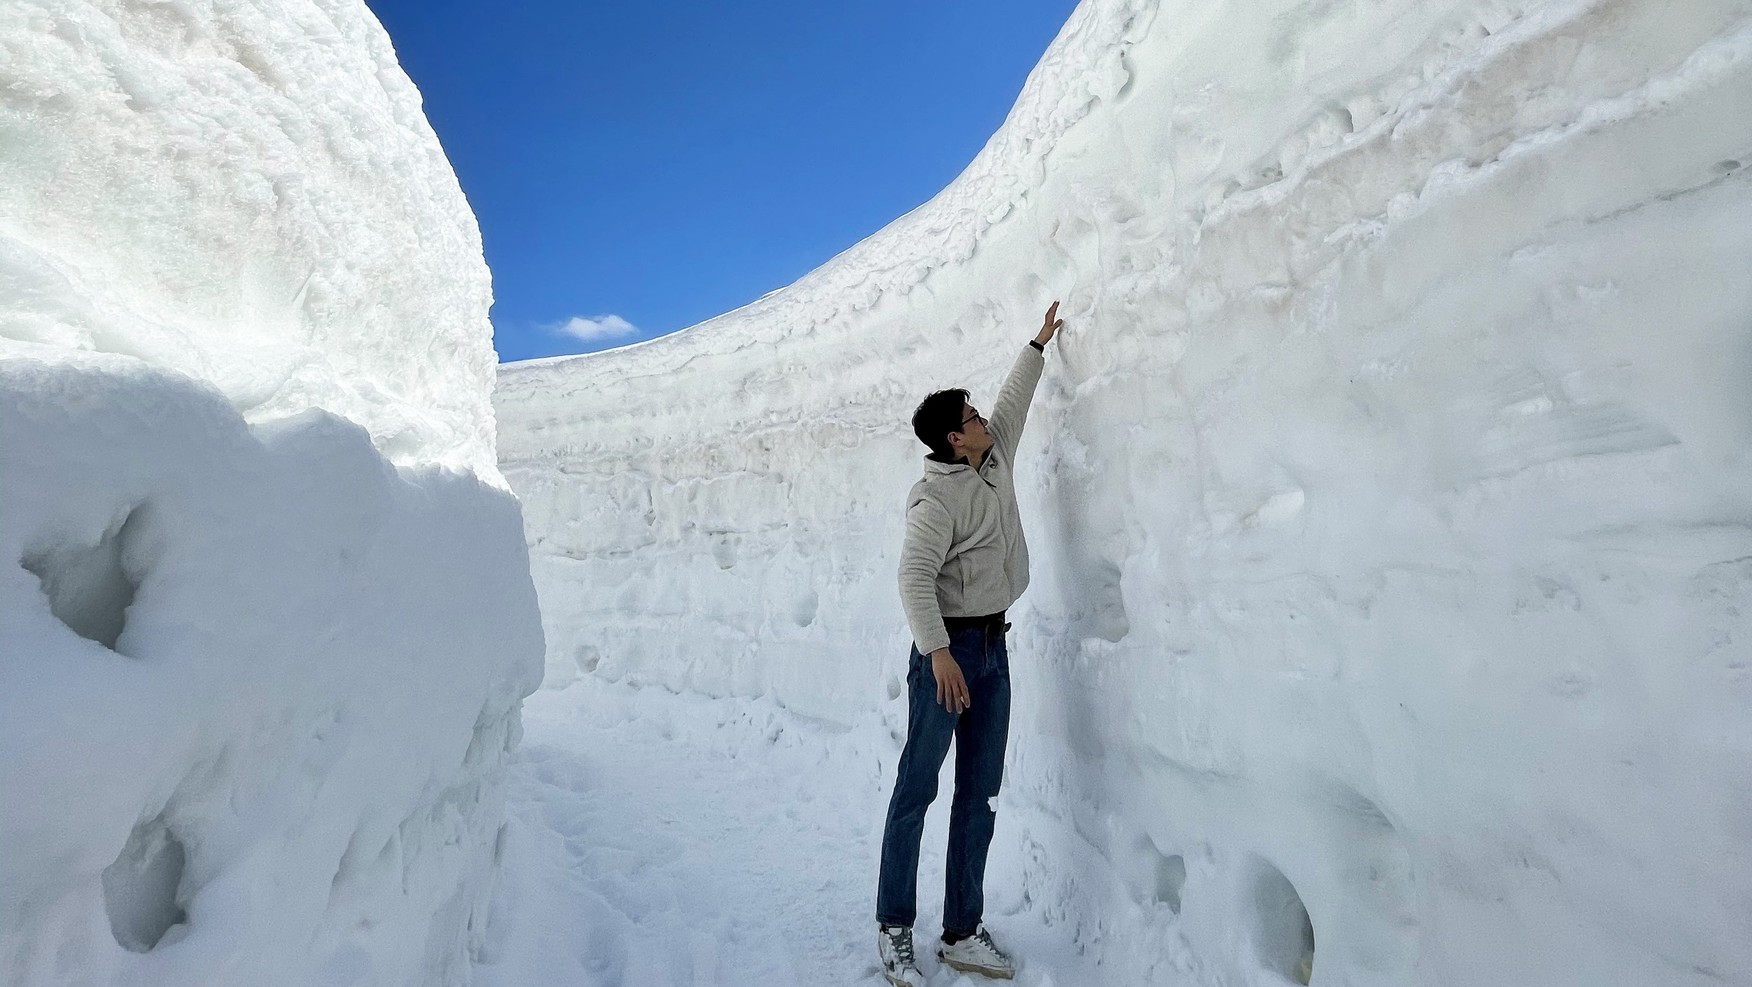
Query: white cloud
x=596, y=329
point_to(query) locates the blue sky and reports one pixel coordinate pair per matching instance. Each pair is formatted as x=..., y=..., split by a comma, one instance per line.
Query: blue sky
x=640, y=167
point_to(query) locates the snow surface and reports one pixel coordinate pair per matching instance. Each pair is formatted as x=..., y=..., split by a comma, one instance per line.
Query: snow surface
x=249, y=193
x=266, y=616
x=680, y=839
x=1388, y=492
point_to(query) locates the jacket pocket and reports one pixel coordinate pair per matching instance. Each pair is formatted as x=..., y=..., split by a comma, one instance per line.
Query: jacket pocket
x=982, y=571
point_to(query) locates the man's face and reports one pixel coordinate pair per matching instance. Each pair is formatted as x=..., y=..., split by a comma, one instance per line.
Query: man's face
x=973, y=437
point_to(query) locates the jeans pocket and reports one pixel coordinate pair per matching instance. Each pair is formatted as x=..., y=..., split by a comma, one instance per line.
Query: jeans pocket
x=968, y=647
x=915, y=665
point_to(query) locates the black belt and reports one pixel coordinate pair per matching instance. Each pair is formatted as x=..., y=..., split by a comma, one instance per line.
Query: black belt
x=990, y=622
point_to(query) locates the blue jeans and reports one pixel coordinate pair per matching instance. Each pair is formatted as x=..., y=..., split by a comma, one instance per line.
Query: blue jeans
x=980, y=733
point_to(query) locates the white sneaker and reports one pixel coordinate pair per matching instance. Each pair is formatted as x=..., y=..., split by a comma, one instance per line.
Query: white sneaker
x=894, y=944
x=978, y=954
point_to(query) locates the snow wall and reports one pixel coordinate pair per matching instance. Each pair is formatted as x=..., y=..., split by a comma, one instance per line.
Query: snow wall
x=1388, y=490
x=265, y=614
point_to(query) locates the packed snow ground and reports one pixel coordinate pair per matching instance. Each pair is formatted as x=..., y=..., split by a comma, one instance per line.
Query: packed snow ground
x=1387, y=491
x=658, y=838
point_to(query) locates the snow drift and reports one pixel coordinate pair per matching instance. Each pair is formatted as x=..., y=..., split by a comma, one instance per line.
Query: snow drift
x=249, y=194
x=1388, y=489
x=265, y=613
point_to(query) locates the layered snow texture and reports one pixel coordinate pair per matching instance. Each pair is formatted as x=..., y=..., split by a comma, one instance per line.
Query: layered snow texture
x=1388, y=489
x=248, y=193
x=265, y=609
x=259, y=685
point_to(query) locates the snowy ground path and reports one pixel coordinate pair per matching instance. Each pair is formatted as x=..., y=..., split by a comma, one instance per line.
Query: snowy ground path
x=661, y=839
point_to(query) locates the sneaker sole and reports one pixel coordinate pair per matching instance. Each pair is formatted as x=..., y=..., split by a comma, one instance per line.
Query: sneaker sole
x=896, y=981
x=984, y=971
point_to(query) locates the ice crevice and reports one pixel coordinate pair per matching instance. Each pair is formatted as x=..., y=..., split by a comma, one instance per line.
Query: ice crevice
x=1379, y=491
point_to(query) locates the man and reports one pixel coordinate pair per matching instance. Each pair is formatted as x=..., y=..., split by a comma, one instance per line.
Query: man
x=963, y=563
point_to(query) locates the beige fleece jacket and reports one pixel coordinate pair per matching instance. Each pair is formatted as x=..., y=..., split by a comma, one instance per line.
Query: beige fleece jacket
x=964, y=554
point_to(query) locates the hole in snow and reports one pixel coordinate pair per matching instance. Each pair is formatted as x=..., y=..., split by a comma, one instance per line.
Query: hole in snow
x=1283, y=934
x=724, y=551
x=1107, y=616
x=88, y=587
x=587, y=657
x=140, y=888
x=803, y=612
x=1170, y=875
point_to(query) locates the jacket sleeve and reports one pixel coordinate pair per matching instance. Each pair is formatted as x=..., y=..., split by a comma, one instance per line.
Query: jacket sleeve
x=929, y=533
x=1011, y=411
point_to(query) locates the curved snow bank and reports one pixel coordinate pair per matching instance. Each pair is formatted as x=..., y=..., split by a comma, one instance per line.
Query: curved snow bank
x=1388, y=492
x=250, y=194
x=259, y=686
x=265, y=610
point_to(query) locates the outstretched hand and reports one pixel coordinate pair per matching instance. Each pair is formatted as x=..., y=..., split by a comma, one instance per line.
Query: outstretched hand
x=1052, y=325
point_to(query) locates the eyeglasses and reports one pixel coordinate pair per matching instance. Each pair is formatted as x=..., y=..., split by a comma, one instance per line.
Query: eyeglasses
x=971, y=417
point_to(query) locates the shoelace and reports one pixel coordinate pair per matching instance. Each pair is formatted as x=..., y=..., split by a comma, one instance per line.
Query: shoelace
x=901, y=939
x=985, y=939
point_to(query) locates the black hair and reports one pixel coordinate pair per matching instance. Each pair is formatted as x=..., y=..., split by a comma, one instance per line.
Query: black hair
x=937, y=416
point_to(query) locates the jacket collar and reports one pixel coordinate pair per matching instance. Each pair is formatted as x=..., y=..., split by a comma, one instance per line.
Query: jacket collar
x=935, y=465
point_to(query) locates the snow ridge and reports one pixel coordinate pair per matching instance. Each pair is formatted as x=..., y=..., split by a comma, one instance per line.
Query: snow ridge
x=1386, y=489
x=266, y=618
x=249, y=194
x=1084, y=65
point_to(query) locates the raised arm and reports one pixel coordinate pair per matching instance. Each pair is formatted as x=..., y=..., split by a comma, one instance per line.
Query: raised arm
x=929, y=533
x=1011, y=411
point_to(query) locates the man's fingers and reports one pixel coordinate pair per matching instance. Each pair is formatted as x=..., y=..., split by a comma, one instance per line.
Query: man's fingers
x=1052, y=312
x=952, y=693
